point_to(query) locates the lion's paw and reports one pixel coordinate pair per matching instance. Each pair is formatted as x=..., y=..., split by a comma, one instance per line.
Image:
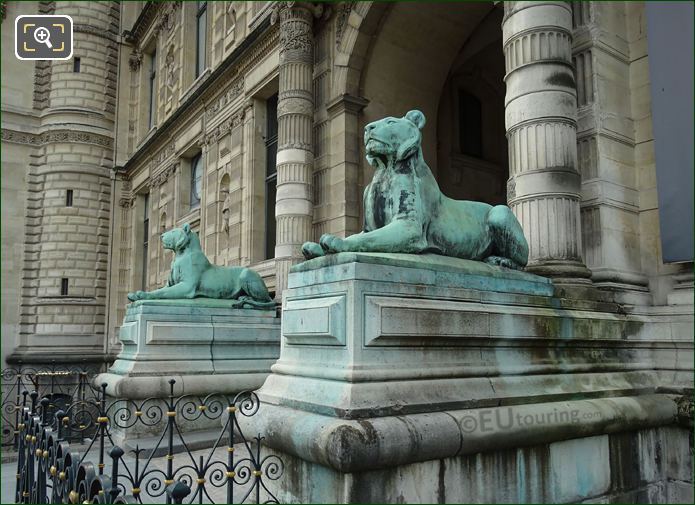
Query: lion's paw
x=331, y=243
x=501, y=261
x=312, y=250
x=137, y=295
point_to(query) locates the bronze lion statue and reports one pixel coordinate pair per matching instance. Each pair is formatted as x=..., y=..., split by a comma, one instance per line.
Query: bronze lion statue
x=192, y=276
x=406, y=212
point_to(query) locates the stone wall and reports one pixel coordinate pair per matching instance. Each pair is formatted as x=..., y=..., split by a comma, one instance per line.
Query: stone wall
x=644, y=466
x=66, y=157
x=17, y=118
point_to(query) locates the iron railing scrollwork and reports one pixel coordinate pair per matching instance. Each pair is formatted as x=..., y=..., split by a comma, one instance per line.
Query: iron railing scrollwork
x=50, y=470
x=62, y=386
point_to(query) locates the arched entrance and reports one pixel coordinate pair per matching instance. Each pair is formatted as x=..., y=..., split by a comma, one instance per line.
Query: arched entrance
x=446, y=60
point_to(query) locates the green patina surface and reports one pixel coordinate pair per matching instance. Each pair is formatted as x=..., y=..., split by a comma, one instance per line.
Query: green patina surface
x=192, y=276
x=406, y=212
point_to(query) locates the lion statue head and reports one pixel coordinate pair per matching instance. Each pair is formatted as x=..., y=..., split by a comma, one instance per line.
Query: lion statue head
x=178, y=239
x=393, y=139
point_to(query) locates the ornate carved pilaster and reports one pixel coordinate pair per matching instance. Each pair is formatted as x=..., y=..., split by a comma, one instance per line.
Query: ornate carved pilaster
x=295, y=156
x=540, y=117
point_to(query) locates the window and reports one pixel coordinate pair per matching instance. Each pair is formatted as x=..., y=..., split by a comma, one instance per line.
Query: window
x=470, y=125
x=68, y=198
x=200, y=37
x=153, y=88
x=76, y=64
x=145, y=239
x=196, y=179
x=271, y=149
x=63, y=287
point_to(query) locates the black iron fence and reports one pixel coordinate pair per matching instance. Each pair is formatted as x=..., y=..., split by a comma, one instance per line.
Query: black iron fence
x=93, y=469
x=61, y=386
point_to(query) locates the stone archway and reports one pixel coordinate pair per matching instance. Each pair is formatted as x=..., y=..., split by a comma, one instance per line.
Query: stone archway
x=397, y=57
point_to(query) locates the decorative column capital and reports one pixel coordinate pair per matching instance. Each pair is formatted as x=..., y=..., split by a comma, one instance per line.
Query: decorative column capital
x=134, y=60
x=296, y=30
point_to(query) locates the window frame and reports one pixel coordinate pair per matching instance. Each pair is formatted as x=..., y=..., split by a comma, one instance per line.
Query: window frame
x=196, y=163
x=200, y=45
x=153, y=89
x=271, y=145
x=145, y=239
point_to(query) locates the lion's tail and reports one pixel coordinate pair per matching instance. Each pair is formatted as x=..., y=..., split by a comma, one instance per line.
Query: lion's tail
x=247, y=301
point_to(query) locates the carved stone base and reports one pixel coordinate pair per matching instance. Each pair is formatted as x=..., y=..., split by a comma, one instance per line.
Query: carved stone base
x=394, y=366
x=204, y=345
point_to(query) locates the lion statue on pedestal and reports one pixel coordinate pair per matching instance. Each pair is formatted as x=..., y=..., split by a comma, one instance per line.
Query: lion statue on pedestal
x=193, y=276
x=406, y=212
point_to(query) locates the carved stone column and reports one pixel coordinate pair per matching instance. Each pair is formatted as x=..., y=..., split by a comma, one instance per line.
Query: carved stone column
x=294, y=203
x=540, y=116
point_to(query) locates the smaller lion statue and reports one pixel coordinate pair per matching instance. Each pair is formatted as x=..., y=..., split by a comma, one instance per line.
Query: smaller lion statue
x=193, y=276
x=406, y=212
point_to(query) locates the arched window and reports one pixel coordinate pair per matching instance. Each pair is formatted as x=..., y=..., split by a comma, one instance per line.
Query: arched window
x=196, y=180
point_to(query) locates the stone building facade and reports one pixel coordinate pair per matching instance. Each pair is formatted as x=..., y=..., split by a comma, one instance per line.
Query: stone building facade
x=58, y=123
x=244, y=119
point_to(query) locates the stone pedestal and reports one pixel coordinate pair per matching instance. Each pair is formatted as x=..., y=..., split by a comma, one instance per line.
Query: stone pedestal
x=205, y=345
x=397, y=372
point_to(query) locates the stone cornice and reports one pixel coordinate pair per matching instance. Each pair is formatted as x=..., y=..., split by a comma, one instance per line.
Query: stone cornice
x=143, y=22
x=39, y=139
x=346, y=103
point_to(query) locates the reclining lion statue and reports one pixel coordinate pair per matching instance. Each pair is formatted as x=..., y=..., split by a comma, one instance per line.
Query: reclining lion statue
x=406, y=212
x=192, y=275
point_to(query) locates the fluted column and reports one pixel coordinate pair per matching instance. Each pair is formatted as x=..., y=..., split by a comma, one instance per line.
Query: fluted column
x=293, y=204
x=540, y=117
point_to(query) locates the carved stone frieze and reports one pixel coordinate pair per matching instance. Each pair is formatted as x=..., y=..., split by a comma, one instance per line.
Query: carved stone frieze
x=171, y=67
x=163, y=154
x=223, y=128
x=163, y=176
x=295, y=106
x=234, y=91
x=55, y=136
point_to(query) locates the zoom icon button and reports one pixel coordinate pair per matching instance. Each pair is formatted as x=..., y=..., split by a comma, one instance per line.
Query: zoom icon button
x=46, y=37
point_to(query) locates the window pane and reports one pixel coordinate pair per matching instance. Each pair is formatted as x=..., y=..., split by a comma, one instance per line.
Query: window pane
x=153, y=90
x=196, y=180
x=271, y=136
x=200, y=38
x=271, y=149
x=270, y=194
x=145, y=239
x=470, y=125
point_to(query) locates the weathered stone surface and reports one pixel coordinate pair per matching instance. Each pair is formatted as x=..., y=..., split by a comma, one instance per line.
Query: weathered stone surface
x=395, y=367
x=204, y=344
x=376, y=334
x=582, y=469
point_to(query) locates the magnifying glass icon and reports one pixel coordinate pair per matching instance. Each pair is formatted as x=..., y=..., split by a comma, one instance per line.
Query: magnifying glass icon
x=43, y=36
